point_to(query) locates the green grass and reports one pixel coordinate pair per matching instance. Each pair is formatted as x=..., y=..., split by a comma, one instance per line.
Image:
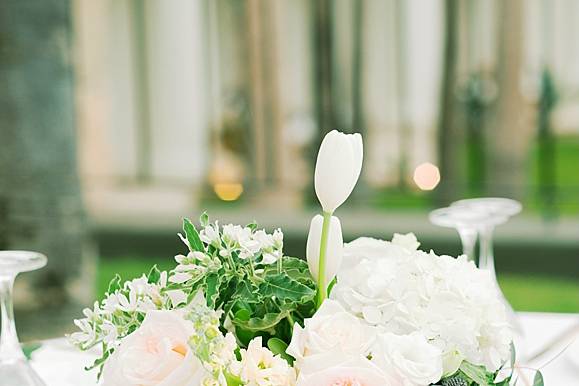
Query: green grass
x=566, y=184
x=541, y=293
x=525, y=293
x=127, y=268
x=566, y=176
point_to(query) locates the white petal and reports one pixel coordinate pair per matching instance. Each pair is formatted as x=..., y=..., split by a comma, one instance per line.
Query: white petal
x=334, y=249
x=337, y=168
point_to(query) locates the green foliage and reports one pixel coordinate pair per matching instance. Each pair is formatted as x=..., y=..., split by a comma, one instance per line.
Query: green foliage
x=29, y=348
x=233, y=380
x=278, y=347
x=477, y=374
x=154, y=275
x=284, y=288
x=193, y=236
x=114, y=284
x=473, y=375
x=258, y=299
x=538, y=380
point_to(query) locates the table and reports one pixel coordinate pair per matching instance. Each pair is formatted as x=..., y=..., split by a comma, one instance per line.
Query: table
x=59, y=364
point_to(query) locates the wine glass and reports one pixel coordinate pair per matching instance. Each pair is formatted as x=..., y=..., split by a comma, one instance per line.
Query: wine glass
x=465, y=221
x=499, y=210
x=14, y=368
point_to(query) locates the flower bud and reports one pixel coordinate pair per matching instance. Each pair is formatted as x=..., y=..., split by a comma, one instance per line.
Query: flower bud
x=337, y=168
x=333, y=257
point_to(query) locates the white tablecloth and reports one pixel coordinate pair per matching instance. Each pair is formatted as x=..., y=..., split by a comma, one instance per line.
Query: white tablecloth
x=61, y=365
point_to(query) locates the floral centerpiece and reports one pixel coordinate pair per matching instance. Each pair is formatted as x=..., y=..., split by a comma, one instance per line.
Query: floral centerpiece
x=236, y=311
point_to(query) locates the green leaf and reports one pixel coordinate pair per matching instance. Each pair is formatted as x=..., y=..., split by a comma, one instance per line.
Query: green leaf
x=114, y=284
x=478, y=374
x=244, y=336
x=232, y=380
x=154, y=275
x=192, y=236
x=332, y=284
x=283, y=287
x=538, y=380
x=278, y=346
x=265, y=323
x=243, y=315
x=212, y=284
x=98, y=362
x=457, y=378
x=29, y=348
x=295, y=268
x=204, y=219
x=252, y=225
x=246, y=293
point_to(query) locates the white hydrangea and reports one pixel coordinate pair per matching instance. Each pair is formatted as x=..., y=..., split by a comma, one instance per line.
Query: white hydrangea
x=402, y=290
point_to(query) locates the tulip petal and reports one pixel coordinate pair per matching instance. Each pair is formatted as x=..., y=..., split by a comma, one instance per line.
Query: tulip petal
x=358, y=148
x=334, y=248
x=338, y=167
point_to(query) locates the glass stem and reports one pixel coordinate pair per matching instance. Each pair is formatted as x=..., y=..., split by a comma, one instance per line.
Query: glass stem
x=322, y=286
x=487, y=260
x=468, y=239
x=9, y=346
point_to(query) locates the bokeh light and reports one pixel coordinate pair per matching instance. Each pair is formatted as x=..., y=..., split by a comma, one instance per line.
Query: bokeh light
x=228, y=192
x=426, y=176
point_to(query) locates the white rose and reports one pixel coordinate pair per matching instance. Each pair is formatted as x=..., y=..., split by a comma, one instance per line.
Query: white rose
x=156, y=354
x=331, y=330
x=409, y=358
x=339, y=370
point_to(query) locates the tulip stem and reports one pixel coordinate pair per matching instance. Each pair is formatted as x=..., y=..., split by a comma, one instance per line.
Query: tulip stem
x=322, y=288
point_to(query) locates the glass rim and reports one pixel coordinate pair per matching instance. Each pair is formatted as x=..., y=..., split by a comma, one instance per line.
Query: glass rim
x=495, y=205
x=15, y=261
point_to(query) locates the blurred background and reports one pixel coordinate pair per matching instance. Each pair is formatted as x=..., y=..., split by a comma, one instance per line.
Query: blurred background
x=120, y=117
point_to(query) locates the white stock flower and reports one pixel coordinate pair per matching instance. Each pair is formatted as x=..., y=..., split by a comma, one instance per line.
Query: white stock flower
x=408, y=358
x=334, y=248
x=332, y=329
x=210, y=235
x=449, y=301
x=338, y=167
x=157, y=353
x=86, y=335
x=236, y=234
x=260, y=367
x=270, y=245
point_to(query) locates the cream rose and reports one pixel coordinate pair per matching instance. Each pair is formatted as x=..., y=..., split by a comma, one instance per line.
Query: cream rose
x=408, y=358
x=331, y=330
x=342, y=370
x=156, y=354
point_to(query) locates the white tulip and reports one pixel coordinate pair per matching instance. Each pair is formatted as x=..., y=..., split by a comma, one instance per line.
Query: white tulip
x=337, y=168
x=333, y=255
